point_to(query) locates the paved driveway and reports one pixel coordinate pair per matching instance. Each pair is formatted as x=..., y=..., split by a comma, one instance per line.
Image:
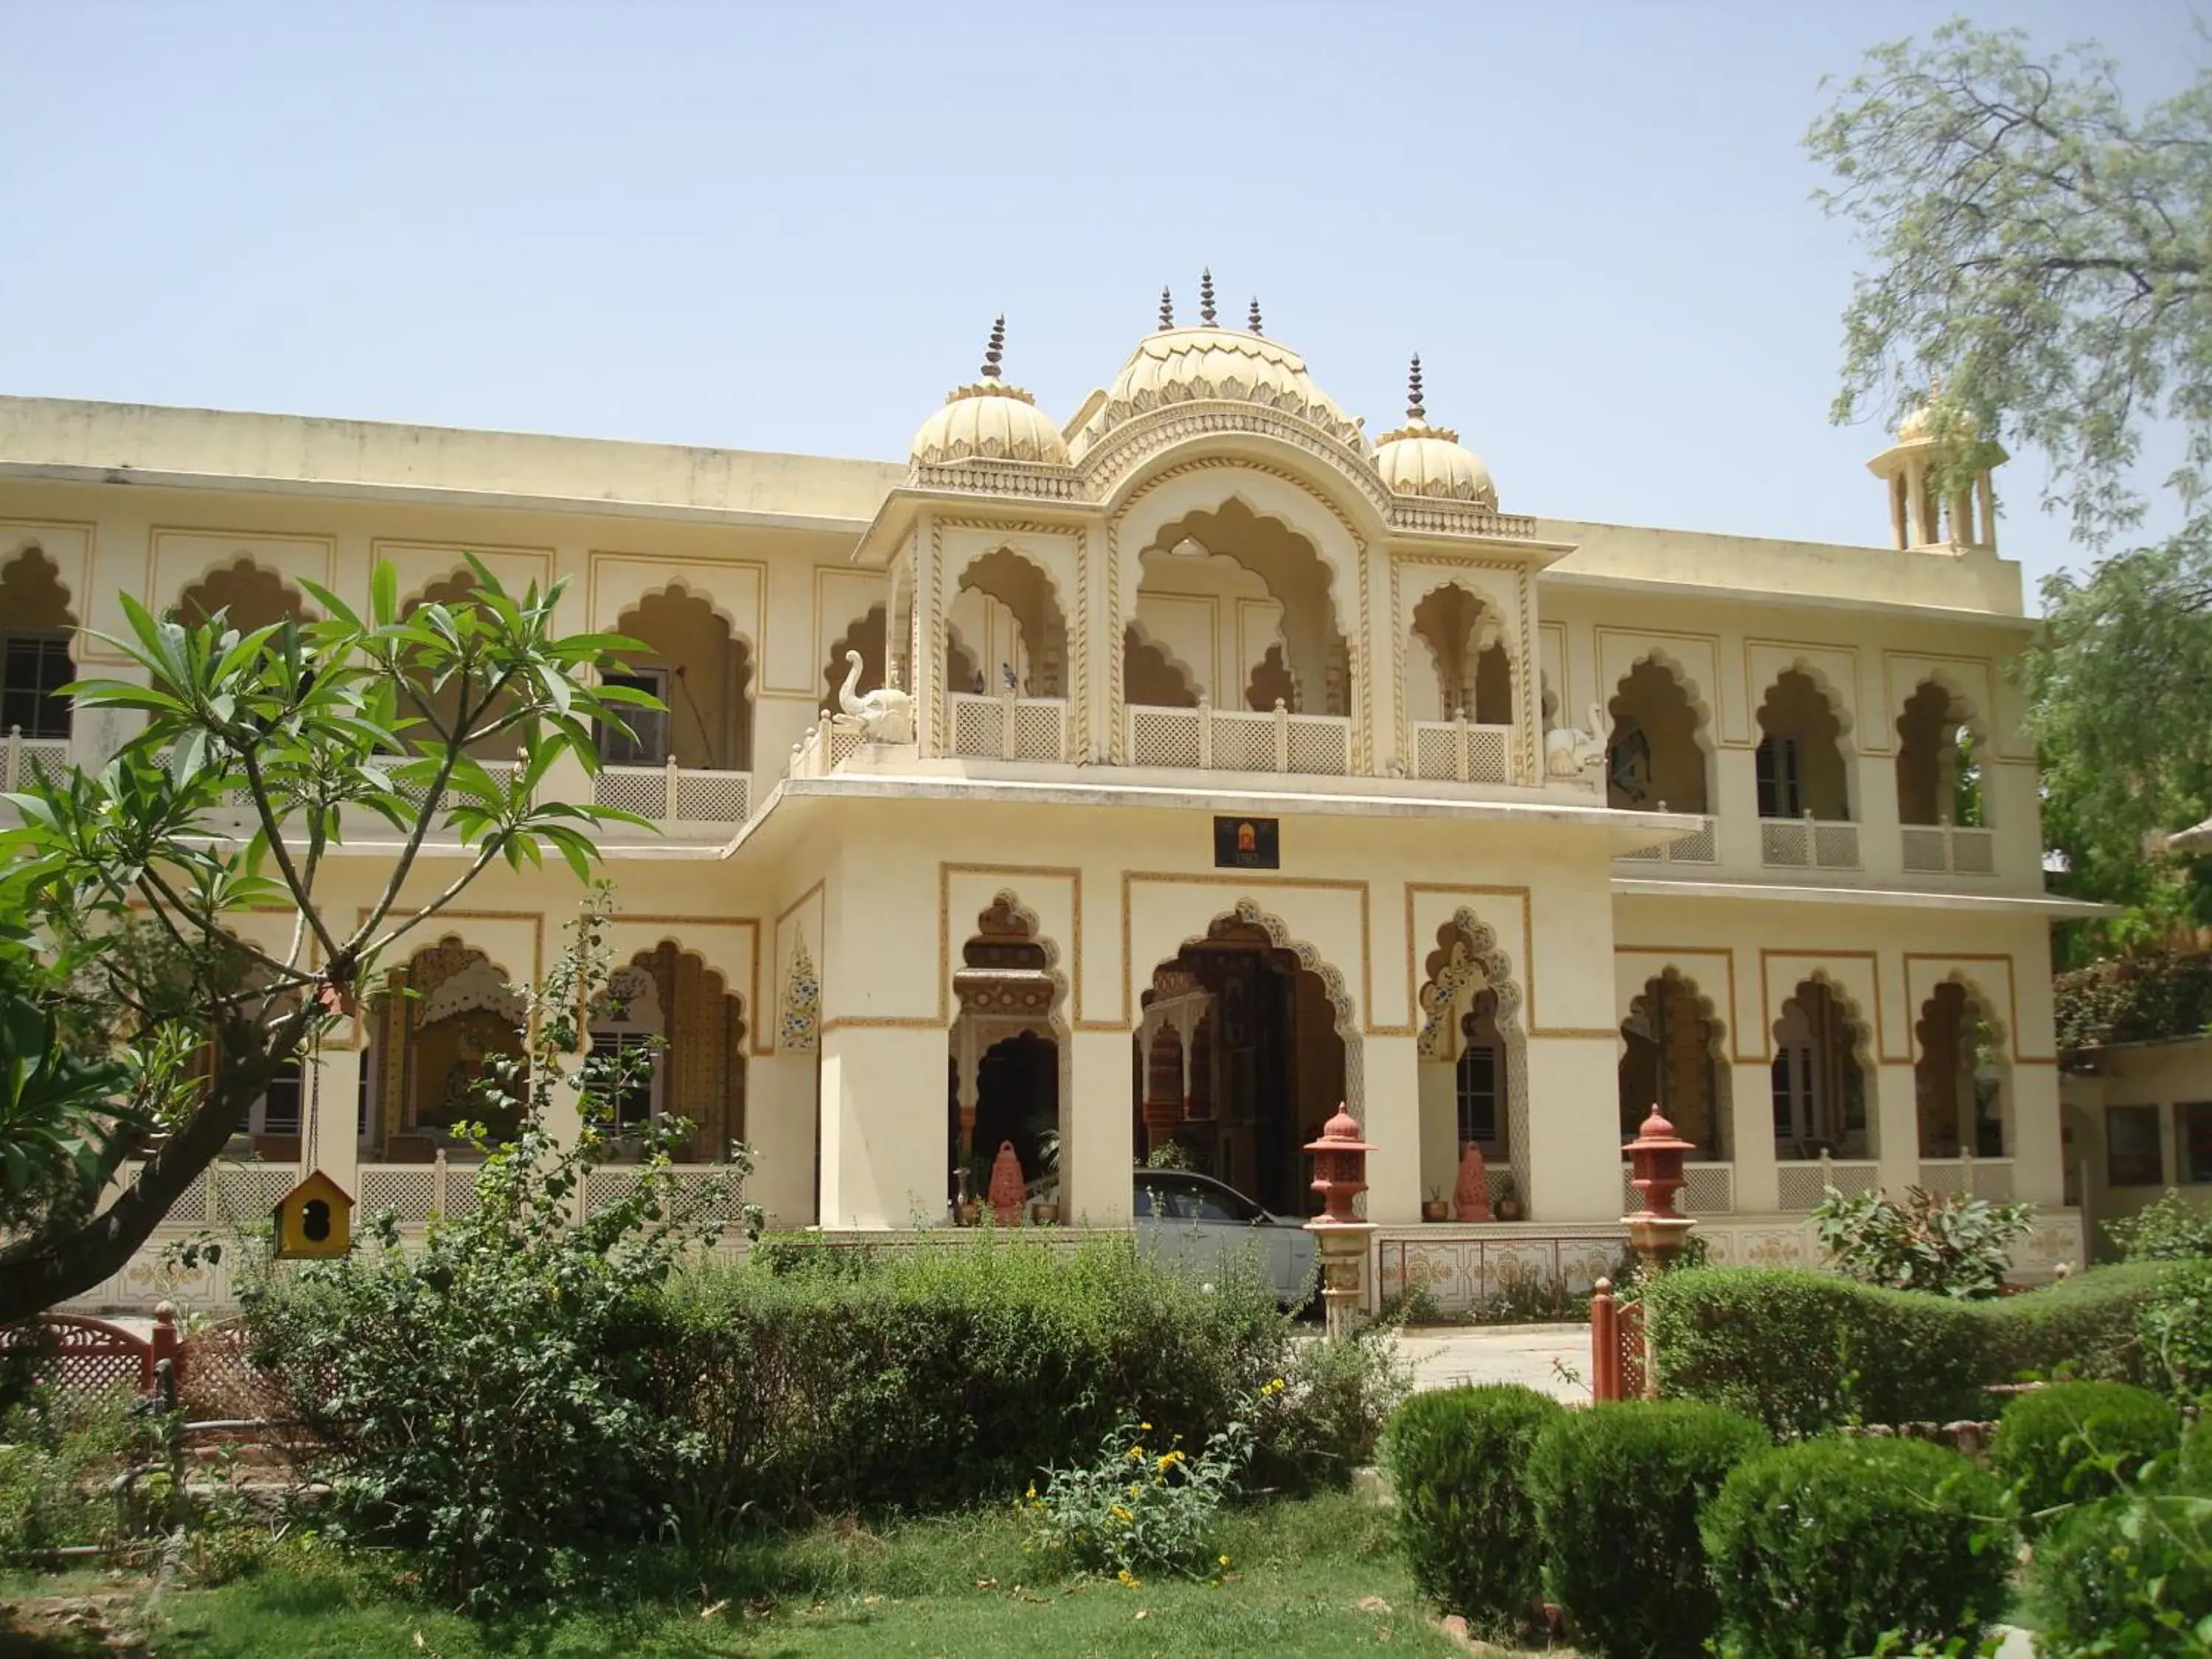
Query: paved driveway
x=1444, y=1356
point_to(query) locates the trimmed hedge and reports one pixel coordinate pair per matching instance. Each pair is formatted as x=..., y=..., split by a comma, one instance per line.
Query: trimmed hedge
x=2050, y=1444
x=1617, y=1491
x=936, y=1376
x=1819, y=1548
x=1456, y=1460
x=1805, y=1352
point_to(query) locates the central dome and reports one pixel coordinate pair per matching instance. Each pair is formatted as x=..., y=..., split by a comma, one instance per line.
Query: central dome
x=1216, y=365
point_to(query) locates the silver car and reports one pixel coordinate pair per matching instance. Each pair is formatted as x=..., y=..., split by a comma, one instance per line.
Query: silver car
x=1193, y=1221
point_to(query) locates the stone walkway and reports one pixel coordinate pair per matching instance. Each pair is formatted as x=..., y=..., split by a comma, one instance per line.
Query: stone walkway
x=1445, y=1356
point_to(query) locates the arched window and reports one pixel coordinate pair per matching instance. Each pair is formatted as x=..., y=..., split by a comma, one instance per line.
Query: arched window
x=35, y=626
x=1958, y=1078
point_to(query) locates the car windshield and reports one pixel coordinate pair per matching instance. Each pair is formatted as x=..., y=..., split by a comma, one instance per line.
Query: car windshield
x=1187, y=1200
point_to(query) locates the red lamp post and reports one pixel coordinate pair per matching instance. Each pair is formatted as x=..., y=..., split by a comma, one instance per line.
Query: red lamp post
x=1655, y=1159
x=1339, y=1177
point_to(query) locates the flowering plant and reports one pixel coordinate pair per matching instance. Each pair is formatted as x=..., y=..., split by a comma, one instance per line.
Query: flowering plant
x=1142, y=1506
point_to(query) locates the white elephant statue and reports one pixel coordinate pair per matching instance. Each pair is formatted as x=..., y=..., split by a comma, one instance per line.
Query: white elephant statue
x=1572, y=751
x=886, y=715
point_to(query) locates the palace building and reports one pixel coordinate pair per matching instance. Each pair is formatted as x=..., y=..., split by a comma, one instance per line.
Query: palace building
x=1167, y=770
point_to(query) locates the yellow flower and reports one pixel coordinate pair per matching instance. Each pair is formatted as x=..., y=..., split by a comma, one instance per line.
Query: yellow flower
x=1136, y=1454
x=1032, y=1489
x=1224, y=1561
x=1144, y=1426
x=1120, y=1514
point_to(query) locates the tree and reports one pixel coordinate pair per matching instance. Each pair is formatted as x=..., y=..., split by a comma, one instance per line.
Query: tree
x=131, y=874
x=2042, y=254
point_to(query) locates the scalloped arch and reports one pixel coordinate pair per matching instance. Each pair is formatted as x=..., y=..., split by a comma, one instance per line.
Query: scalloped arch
x=1839, y=704
x=1855, y=1018
x=1715, y=1027
x=681, y=591
x=1660, y=658
x=1247, y=913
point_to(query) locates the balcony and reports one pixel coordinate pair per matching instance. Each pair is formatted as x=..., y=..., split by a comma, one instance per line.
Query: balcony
x=1217, y=740
x=1459, y=751
x=1008, y=728
x=1801, y=1184
x=1808, y=843
x=1946, y=849
x=1973, y=1178
x=1707, y=1189
x=1703, y=846
x=677, y=797
x=21, y=758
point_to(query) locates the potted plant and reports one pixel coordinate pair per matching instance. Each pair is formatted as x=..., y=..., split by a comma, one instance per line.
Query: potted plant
x=1508, y=1204
x=1434, y=1206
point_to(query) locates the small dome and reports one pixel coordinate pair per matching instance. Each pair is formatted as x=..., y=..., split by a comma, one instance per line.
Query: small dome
x=1917, y=427
x=990, y=421
x=1210, y=364
x=1420, y=459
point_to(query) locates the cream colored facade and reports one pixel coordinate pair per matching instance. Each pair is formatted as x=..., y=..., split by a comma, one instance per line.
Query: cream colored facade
x=1569, y=816
x=2138, y=1123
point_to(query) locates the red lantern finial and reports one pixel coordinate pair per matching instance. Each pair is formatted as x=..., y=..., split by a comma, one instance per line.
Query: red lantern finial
x=1340, y=1165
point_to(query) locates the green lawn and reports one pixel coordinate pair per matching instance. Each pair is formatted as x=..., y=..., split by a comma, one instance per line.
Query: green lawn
x=1316, y=1576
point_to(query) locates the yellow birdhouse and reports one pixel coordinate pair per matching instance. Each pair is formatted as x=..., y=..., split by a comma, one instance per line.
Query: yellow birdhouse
x=314, y=1219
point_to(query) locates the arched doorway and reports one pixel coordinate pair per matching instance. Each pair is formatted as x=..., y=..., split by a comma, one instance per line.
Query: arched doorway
x=1653, y=758
x=1471, y=1060
x=244, y=594
x=1671, y=1059
x=443, y=1030
x=702, y=673
x=1939, y=770
x=1004, y=1081
x=1240, y=1060
x=1800, y=764
x=1958, y=1078
x=1819, y=1085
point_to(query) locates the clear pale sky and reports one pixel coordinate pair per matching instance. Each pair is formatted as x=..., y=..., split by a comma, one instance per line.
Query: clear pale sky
x=788, y=227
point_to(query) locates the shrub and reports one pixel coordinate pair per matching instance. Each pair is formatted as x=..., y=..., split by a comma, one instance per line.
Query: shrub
x=481, y=1400
x=2172, y=1230
x=1457, y=1461
x=1328, y=1418
x=58, y=1454
x=2127, y=1577
x=1141, y=1507
x=1617, y=1491
x=951, y=1373
x=2075, y=1441
x=2175, y=1325
x=1805, y=1352
x=1820, y=1549
x=1945, y=1242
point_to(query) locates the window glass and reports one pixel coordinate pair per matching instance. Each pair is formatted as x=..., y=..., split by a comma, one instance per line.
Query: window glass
x=280, y=1105
x=1143, y=1206
x=34, y=668
x=1478, y=1095
x=648, y=741
x=1215, y=1205
x=632, y=1095
x=2131, y=1148
x=2192, y=1142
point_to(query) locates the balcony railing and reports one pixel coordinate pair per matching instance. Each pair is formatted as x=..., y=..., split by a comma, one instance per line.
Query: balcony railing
x=1462, y=752
x=1808, y=843
x=22, y=758
x=1707, y=1189
x=823, y=749
x=1702, y=846
x=1008, y=728
x=1947, y=849
x=675, y=794
x=1216, y=740
x=1974, y=1178
x=1802, y=1184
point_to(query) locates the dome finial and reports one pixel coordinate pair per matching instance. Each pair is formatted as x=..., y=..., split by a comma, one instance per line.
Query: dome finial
x=1415, y=409
x=996, y=349
x=1167, y=309
x=1256, y=329
x=1205, y=296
